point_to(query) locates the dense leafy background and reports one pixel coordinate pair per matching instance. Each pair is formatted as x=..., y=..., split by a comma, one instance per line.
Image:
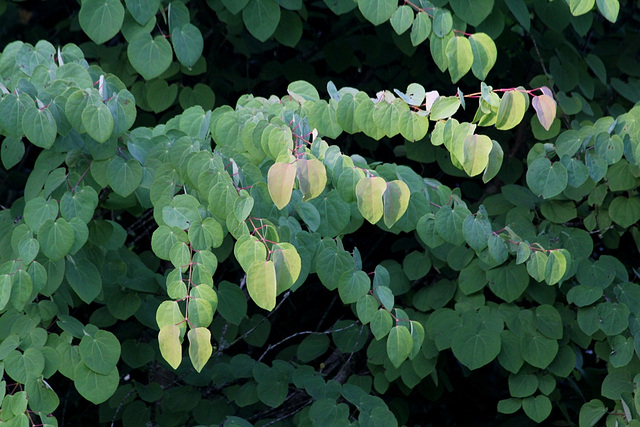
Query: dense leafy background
x=139, y=185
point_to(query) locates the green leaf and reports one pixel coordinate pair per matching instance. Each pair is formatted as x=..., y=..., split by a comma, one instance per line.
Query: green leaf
x=546, y=179
x=460, y=57
x=149, y=56
x=420, y=29
x=80, y=204
x=484, y=54
x=84, y=279
x=377, y=11
x=312, y=178
x=519, y=10
x=508, y=282
x=56, y=238
x=444, y=107
x=98, y=121
x=39, y=127
x=476, y=153
x=625, y=211
x=381, y=323
x=11, y=152
x=402, y=19
x=449, y=223
x=261, y=18
x=170, y=347
x=142, y=10
x=476, y=230
x=100, y=352
x=556, y=267
x=537, y=349
x=512, y=108
x=232, y=304
x=396, y=200
x=442, y=22
x=124, y=176
x=472, y=11
x=413, y=126
x=23, y=366
x=522, y=385
x=37, y=211
x=591, y=412
x=475, y=345
x=537, y=408
x=609, y=9
x=262, y=284
x=160, y=95
x=353, y=285
x=312, y=347
x=280, y=179
x=94, y=387
x=399, y=345
x=200, y=348
x=287, y=263
x=248, y=249
x=187, y=44
x=101, y=19
x=580, y=7
x=369, y=193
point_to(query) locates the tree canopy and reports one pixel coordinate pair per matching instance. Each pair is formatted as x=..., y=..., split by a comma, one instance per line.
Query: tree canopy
x=319, y=213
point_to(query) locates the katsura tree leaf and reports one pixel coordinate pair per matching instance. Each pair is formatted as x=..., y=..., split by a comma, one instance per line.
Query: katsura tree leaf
x=98, y=121
x=580, y=7
x=101, y=19
x=609, y=9
x=124, y=176
x=495, y=162
x=395, y=200
x=79, y=204
x=200, y=348
x=232, y=303
x=546, y=179
x=187, y=44
x=11, y=152
x=38, y=210
x=556, y=267
x=142, y=10
x=149, y=56
x=475, y=345
x=519, y=10
x=170, y=346
x=369, y=193
x=280, y=179
x=288, y=265
x=100, y=352
x=353, y=285
x=420, y=29
x=413, y=126
x=312, y=178
x=442, y=22
x=472, y=11
x=460, y=57
x=84, y=278
x=625, y=211
x=537, y=265
x=545, y=108
x=537, y=408
x=402, y=19
x=56, y=238
x=484, y=54
x=261, y=18
x=444, y=107
x=377, y=11
x=537, y=349
x=512, y=108
x=39, y=126
x=248, y=249
x=591, y=412
x=476, y=153
x=262, y=284
x=399, y=345
x=95, y=387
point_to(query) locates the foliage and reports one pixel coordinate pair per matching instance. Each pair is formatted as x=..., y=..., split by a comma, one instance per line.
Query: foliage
x=302, y=259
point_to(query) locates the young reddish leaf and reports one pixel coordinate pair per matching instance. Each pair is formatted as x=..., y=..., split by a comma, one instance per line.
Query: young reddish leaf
x=369, y=194
x=312, y=178
x=280, y=180
x=545, y=108
x=170, y=347
x=396, y=201
x=262, y=285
